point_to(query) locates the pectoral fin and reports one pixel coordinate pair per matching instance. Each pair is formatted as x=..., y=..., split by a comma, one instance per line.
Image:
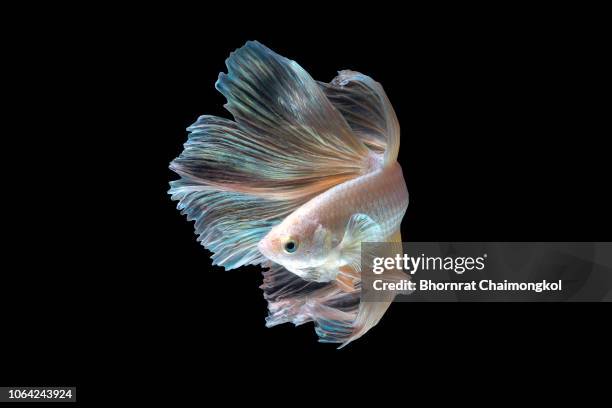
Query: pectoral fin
x=360, y=228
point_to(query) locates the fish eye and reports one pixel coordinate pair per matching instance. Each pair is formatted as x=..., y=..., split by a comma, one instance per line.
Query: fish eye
x=290, y=246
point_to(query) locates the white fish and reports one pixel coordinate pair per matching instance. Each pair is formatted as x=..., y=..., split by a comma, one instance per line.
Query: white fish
x=306, y=173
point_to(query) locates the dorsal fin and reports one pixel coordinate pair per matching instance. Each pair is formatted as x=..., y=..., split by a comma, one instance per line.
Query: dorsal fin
x=366, y=108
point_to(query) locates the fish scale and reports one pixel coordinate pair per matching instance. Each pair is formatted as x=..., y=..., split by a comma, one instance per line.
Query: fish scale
x=381, y=194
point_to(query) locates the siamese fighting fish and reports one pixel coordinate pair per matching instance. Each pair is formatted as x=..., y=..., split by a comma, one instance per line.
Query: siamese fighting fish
x=304, y=173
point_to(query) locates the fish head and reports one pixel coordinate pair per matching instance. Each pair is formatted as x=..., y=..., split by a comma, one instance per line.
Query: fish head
x=300, y=245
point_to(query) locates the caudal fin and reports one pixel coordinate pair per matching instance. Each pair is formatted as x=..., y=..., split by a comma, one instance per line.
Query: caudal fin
x=366, y=108
x=288, y=143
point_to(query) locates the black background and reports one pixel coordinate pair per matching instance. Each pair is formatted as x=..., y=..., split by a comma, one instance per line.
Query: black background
x=503, y=139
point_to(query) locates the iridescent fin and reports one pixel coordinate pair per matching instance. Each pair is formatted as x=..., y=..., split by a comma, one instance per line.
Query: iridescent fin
x=279, y=283
x=294, y=300
x=332, y=325
x=338, y=314
x=305, y=138
x=370, y=313
x=360, y=228
x=288, y=144
x=366, y=108
x=223, y=219
x=347, y=278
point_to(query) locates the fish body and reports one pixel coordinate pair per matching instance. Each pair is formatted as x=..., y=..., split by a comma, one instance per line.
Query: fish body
x=379, y=194
x=304, y=174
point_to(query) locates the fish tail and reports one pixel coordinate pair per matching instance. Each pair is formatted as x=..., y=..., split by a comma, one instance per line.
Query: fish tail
x=288, y=142
x=366, y=108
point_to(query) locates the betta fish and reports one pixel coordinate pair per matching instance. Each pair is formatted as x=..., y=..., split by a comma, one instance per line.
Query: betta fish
x=304, y=174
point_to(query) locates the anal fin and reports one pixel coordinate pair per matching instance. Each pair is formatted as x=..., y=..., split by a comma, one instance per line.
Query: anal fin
x=347, y=279
x=370, y=313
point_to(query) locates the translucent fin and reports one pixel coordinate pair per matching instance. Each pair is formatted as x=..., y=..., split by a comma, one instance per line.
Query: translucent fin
x=279, y=283
x=360, y=228
x=332, y=325
x=224, y=222
x=337, y=312
x=288, y=144
x=346, y=279
x=332, y=306
x=294, y=300
x=370, y=313
x=366, y=108
x=274, y=98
